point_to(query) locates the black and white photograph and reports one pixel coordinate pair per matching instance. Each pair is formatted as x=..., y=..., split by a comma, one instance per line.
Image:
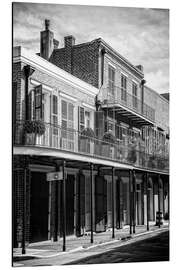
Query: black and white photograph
x=90, y=134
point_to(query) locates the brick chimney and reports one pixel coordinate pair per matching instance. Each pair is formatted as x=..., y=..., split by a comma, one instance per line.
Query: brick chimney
x=69, y=42
x=47, y=41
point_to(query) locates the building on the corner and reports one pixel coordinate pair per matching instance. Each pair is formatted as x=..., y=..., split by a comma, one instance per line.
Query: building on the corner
x=86, y=111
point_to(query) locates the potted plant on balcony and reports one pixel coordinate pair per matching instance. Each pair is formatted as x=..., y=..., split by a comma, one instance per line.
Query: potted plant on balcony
x=32, y=129
x=86, y=140
x=108, y=144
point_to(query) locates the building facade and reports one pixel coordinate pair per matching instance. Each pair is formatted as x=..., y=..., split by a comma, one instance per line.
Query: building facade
x=90, y=142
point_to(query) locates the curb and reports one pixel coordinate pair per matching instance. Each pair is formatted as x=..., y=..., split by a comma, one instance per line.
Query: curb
x=123, y=240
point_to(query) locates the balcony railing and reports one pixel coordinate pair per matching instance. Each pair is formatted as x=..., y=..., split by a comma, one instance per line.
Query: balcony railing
x=117, y=95
x=71, y=140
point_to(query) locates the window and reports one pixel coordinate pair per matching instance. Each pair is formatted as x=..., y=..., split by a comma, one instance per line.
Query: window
x=123, y=87
x=55, y=114
x=111, y=79
x=38, y=102
x=134, y=95
x=81, y=119
x=67, y=110
x=87, y=119
x=84, y=119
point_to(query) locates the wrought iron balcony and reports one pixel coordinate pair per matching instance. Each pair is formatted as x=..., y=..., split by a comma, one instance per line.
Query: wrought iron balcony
x=118, y=96
x=73, y=141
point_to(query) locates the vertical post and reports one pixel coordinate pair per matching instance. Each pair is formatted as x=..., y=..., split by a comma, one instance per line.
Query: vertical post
x=64, y=207
x=147, y=201
x=130, y=203
x=79, y=206
x=159, y=209
x=24, y=209
x=91, y=199
x=112, y=189
x=134, y=202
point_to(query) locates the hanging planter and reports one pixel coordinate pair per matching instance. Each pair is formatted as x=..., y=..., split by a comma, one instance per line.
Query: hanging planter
x=109, y=138
x=32, y=129
x=34, y=126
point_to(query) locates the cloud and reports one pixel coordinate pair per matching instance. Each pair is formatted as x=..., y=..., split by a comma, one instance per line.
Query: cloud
x=140, y=35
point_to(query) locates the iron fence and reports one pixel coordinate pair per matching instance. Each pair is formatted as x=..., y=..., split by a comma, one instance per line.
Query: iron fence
x=72, y=140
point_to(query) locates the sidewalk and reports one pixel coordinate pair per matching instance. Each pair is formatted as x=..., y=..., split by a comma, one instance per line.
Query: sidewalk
x=49, y=249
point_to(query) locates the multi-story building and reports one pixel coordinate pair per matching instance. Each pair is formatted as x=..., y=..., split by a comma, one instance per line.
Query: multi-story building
x=83, y=114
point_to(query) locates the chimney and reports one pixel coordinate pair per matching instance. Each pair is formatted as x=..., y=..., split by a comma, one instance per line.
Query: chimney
x=140, y=67
x=69, y=41
x=46, y=44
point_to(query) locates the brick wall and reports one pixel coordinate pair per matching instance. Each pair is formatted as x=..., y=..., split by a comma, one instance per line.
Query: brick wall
x=80, y=60
x=18, y=200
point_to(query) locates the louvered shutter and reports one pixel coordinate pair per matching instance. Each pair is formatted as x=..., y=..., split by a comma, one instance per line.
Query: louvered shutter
x=38, y=102
x=99, y=124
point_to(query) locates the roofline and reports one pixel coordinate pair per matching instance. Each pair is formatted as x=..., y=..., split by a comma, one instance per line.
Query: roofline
x=111, y=50
x=114, y=52
x=26, y=56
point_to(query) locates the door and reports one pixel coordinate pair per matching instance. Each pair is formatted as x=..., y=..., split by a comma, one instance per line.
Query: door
x=70, y=180
x=39, y=207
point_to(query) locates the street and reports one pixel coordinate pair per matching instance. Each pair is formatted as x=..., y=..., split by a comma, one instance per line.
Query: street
x=153, y=249
x=146, y=249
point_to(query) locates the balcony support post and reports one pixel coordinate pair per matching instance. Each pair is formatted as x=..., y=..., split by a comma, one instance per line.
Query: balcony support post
x=134, y=201
x=159, y=207
x=130, y=202
x=64, y=206
x=112, y=189
x=147, y=199
x=91, y=198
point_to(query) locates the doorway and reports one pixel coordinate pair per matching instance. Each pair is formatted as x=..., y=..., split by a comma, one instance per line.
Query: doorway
x=39, y=207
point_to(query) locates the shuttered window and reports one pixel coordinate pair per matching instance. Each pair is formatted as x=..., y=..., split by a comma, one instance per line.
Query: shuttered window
x=134, y=93
x=111, y=79
x=123, y=87
x=81, y=119
x=67, y=123
x=38, y=102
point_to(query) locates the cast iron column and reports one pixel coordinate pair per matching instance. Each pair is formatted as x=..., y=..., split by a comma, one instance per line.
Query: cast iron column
x=91, y=199
x=147, y=201
x=130, y=203
x=134, y=202
x=159, y=209
x=112, y=189
x=64, y=207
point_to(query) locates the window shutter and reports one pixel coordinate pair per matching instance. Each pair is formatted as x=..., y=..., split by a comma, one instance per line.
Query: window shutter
x=38, y=102
x=31, y=109
x=99, y=124
x=81, y=118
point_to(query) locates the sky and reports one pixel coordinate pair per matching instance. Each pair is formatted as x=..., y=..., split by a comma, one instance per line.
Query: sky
x=141, y=35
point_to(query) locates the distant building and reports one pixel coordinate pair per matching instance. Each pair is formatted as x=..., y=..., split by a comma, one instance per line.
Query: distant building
x=84, y=113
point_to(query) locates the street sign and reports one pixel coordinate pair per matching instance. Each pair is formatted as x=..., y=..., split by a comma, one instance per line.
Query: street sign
x=53, y=176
